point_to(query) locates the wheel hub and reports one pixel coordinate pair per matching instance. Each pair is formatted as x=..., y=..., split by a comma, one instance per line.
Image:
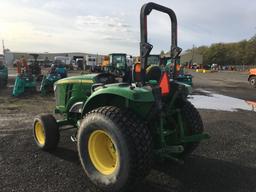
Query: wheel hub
x=253, y=81
x=102, y=152
x=39, y=133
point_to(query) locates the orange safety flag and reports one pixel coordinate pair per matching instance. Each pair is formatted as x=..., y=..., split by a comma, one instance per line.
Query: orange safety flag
x=165, y=84
x=177, y=67
x=137, y=68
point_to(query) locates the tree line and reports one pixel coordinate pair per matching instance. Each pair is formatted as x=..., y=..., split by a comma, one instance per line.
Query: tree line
x=239, y=53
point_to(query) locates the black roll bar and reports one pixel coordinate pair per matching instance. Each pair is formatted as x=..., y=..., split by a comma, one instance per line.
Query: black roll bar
x=145, y=47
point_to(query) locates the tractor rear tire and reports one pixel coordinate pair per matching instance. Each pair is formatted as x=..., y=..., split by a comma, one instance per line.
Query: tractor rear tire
x=252, y=81
x=115, y=148
x=46, y=132
x=193, y=125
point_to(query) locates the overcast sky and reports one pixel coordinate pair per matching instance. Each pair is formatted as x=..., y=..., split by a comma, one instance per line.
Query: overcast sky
x=105, y=26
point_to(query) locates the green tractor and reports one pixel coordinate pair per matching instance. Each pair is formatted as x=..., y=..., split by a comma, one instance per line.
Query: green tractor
x=166, y=64
x=3, y=74
x=121, y=127
x=154, y=60
x=181, y=75
x=154, y=68
x=117, y=64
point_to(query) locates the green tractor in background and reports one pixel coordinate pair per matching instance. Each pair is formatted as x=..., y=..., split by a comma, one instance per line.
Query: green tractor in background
x=182, y=75
x=166, y=64
x=120, y=127
x=154, y=60
x=3, y=73
x=117, y=66
x=154, y=68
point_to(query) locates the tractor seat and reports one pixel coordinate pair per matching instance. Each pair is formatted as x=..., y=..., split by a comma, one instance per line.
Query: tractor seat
x=153, y=72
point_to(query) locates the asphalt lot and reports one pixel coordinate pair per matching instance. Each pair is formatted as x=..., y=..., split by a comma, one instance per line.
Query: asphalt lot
x=226, y=162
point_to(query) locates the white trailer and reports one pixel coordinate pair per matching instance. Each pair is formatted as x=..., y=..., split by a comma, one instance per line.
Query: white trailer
x=91, y=60
x=63, y=59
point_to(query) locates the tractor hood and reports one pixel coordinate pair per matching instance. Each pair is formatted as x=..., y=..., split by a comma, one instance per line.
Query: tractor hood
x=88, y=78
x=93, y=90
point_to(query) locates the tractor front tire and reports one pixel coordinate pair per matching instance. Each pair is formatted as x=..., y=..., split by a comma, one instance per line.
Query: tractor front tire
x=252, y=81
x=114, y=148
x=193, y=125
x=46, y=132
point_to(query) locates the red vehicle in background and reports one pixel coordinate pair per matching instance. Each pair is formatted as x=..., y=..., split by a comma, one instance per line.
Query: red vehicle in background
x=252, y=77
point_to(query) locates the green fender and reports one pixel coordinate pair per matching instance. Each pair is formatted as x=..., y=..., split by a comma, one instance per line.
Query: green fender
x=121, y=96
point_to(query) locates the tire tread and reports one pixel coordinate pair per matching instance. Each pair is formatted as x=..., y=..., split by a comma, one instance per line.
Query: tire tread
x=139, y=141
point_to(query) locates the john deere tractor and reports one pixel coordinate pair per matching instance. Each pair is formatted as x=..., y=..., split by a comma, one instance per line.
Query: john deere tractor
x=182, y=75
x=154, y=60
x=166, y=64
x=117, y=64
x=120, y=127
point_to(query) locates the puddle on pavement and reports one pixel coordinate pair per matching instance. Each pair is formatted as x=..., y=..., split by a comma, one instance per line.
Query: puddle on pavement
x=208, y=100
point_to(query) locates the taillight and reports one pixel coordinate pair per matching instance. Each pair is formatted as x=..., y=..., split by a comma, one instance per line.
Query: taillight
x=165, y=84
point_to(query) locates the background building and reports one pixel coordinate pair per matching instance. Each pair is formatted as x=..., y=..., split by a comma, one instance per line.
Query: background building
x=12, y=57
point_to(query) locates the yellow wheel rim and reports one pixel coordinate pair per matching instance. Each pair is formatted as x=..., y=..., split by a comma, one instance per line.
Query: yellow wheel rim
x=39, y=133
x=102, y=152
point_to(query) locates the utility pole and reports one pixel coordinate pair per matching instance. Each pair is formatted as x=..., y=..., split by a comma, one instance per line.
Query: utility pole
x=97, y=59
x=3, y=45
x=192, y=60
x=3, y=51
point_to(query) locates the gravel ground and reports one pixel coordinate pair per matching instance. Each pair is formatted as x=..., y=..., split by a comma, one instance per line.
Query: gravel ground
x=226, y=162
